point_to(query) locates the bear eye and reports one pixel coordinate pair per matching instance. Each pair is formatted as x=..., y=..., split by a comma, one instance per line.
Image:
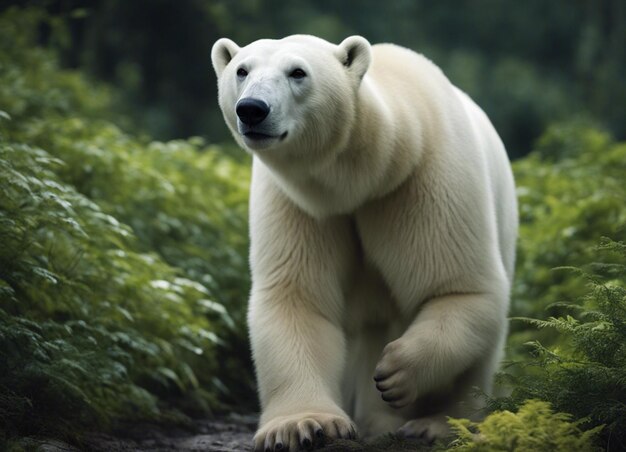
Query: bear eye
x=297, y=74
x=241, y=72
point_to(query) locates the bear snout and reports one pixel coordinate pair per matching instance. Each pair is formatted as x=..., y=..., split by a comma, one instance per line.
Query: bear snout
x=252, y=111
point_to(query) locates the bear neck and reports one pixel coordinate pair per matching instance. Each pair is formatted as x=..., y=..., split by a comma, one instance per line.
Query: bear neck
x=374, y=161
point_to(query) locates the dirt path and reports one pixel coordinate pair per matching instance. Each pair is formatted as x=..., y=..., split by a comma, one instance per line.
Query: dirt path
x=232, y=433
x=225, y=434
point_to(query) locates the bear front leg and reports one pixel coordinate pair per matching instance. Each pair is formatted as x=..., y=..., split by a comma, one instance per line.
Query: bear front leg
x=451, y=335
x=299, y=356
x=301, y=268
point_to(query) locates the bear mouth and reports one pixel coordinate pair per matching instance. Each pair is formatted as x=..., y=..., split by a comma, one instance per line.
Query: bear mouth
x=258, y=136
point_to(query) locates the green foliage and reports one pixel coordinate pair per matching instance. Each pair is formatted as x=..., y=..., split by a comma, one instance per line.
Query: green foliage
x=32, y=84
x=585, y=374
x=182, y=199
x=534, y=427
x=571, y=193
x=76, y=335
x=123, y=271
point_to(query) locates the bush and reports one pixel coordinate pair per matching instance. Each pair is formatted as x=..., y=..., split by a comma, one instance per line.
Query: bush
x=585, y=374
x=123, y=269
x=534, y=427
x=572, y=193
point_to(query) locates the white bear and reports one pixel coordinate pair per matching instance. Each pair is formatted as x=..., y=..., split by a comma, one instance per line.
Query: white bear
x=383, y=223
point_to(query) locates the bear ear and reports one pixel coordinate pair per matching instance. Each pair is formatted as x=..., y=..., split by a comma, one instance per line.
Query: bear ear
x=355, y=53
x=223, y=51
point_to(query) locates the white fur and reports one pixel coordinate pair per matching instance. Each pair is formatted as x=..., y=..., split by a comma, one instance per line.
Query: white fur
x=383, y=223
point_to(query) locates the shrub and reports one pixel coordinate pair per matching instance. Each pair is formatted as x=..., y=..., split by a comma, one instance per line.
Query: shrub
x=571, y=193
x=585, y=374
x=534, y=427
x=566, y=205
x=123, y=269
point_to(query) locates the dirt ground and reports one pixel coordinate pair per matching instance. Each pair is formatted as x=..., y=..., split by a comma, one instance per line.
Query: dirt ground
x=222, y=434
x=232, y=433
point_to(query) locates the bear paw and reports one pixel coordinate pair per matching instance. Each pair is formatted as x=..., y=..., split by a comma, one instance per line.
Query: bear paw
x=429, y=428
x=396, y=375
x=302, y=431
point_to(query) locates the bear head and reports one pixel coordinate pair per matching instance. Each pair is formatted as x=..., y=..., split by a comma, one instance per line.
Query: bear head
x=293, y=97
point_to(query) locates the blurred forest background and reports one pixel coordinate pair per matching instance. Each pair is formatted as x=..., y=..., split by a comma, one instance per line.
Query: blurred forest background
x=526, y=63
x=123, y=216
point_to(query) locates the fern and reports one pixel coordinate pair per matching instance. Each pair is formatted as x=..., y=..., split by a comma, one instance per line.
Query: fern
x=585, y=373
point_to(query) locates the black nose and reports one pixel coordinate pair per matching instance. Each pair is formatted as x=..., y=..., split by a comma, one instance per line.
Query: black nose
x=252, y=111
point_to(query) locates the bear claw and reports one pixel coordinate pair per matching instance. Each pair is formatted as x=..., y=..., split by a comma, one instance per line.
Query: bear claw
x=302, y=431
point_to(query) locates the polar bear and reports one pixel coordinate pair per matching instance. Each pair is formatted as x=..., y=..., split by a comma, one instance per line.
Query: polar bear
x=383, y=223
